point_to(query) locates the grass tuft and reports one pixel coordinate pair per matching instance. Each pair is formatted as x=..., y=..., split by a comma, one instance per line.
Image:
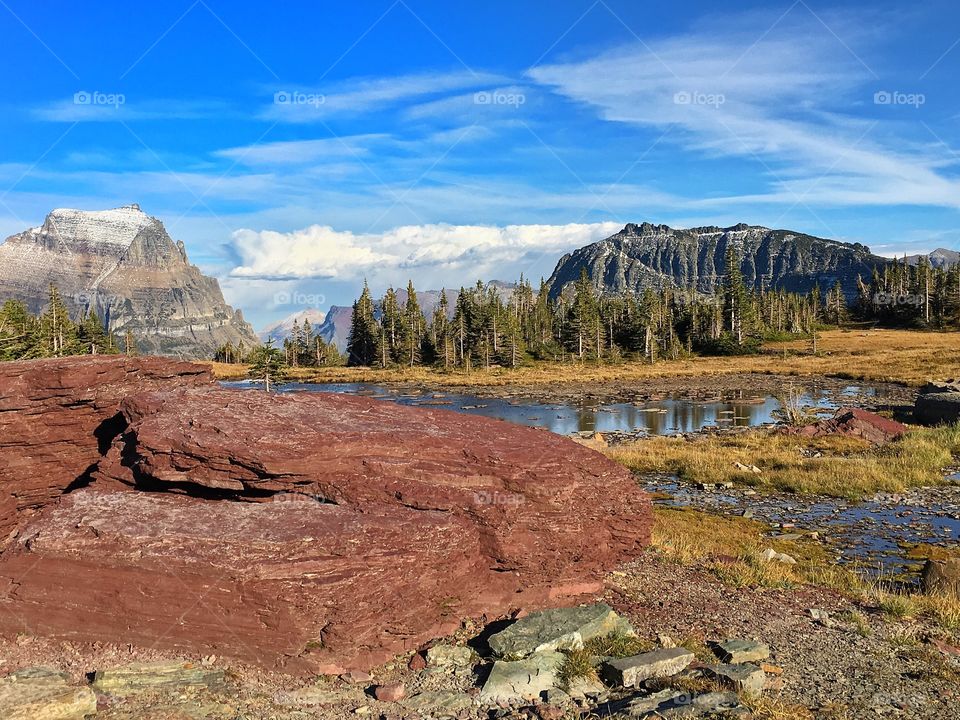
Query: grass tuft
x=617, y=645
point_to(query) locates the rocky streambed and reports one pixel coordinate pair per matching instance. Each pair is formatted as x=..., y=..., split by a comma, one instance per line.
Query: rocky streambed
x=874, y=535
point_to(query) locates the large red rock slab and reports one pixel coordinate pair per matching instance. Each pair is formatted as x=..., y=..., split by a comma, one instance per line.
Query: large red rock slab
x=301, y=585
x=51, y=413
x=544, y=505
x=854, y=422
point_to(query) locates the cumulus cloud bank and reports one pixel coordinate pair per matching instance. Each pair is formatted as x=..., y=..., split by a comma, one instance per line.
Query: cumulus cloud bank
x=463, y=253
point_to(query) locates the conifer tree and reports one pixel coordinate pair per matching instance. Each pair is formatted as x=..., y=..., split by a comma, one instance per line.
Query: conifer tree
x=362, y=345
x=267, y=365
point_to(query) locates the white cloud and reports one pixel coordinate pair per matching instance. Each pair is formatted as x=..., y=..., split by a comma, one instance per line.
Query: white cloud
x=295, y=152
x=97, y=106
x=453, y=253
x=302, y=104
x=782, y=102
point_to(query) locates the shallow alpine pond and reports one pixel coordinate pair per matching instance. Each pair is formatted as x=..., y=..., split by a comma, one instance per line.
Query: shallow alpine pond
x=663, y=416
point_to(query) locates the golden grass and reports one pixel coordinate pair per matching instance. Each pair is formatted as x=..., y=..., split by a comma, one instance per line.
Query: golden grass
x=768, y=707
x=692, y=537
x=847, y=467
x=907, y=356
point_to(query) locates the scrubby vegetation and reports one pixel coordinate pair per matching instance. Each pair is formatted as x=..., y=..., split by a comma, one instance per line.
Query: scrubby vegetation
x=835, y=465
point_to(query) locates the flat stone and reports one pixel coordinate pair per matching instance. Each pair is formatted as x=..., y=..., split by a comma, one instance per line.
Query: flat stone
x=557, y=629
x=742, y=651
x=631, y=671
x=457, y=656
x=659, y=702
x=391, y=692
x=522, y=680
x=711, y=704
x=586, y=688
x=44, y=696
x=438, y=701
x=318, y=695
x=742, y=677
x=148, y=676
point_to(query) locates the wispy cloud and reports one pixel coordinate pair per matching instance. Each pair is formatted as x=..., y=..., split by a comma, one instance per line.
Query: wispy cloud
x=299, y=103
x=783, y=101
x=98, y=106
x=296, y=152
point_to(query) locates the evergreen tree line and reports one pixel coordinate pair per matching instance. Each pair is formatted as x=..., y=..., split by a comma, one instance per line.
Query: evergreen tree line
x=303, y=348
x=905, y=295
x=53, y=333
x=487, y=327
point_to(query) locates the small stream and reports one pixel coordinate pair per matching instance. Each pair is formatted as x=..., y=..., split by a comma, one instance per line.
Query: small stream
x=871, y=534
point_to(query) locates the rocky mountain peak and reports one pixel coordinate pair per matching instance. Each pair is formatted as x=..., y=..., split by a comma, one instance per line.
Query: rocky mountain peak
x=123, y=265
x=645, y=256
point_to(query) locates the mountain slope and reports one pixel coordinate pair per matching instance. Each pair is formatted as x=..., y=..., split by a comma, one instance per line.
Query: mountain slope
x=280, y=330
x=642, y=256
x=122, y=264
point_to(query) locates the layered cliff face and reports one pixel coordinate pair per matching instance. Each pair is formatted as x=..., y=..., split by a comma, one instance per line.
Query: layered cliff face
x=642, y=256
x=122, y=264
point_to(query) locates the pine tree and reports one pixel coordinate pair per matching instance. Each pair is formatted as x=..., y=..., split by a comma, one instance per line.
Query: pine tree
x=413, y=329
x=18, y=331
x=92, y=337
x=268, y=365
x=362, y=345
x=735, y=296
x=57, y=333
x=582, y=317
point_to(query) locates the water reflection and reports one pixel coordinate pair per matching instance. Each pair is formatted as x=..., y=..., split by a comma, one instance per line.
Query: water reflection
x=657, y=417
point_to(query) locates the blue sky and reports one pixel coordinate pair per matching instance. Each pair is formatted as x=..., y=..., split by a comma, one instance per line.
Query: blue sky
x=299, y=147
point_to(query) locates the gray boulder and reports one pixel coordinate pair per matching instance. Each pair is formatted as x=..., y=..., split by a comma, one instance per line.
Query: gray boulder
x=557, y=629
x=941, y=575
x=522, y=680
x=742, y=677
x=631, y=671
x=742, y=651
x=938, y=408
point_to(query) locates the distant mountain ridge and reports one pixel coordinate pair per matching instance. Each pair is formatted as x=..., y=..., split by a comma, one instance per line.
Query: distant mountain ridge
x=123, y=265
x=281, y=329
x=655, y=256
x=939, y=258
